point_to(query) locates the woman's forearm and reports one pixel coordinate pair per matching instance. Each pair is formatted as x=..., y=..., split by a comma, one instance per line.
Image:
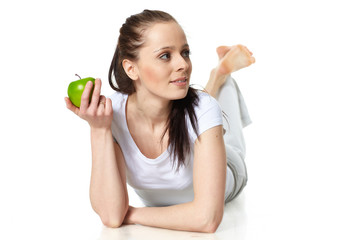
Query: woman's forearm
x=185, y=217
x=108, y=193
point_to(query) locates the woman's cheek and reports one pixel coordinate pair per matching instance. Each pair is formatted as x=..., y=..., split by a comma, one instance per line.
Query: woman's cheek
x=151, y=75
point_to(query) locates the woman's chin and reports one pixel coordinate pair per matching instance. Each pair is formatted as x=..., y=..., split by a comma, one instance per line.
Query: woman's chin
x=180, y=94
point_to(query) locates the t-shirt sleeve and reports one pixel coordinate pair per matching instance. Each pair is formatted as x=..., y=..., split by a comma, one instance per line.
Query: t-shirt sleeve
x=208, y=114
x=117, y=101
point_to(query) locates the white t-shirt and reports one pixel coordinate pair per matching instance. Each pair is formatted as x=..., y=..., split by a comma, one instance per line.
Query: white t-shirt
x=155, y=180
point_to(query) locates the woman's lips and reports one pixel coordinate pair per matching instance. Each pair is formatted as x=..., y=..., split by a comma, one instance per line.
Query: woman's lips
x=180, y=81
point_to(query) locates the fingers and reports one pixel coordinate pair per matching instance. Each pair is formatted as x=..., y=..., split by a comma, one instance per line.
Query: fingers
x=108, y=107
x=86, y=95
x=105, y=106
x=96, y=93
x=101, y=106
x=98, y=113
x=71, y=106
x=102, y=101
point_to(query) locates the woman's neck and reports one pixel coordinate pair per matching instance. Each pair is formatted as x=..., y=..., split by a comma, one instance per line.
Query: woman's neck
x=152, y=111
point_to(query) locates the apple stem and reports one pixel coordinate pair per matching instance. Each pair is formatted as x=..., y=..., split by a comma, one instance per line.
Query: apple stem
x=78, y=76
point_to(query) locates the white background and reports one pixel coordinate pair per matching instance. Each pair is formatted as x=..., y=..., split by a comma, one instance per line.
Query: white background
x=302, y=95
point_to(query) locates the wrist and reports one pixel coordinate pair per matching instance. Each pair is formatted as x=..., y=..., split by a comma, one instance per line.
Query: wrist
x=101, y=131
x=130, y=215
x=102, y=135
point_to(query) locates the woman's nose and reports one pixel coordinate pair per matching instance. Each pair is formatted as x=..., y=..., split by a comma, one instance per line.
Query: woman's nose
x=182, y=63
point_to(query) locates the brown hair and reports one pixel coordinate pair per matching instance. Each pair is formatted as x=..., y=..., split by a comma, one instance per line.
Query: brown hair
x=130, y=40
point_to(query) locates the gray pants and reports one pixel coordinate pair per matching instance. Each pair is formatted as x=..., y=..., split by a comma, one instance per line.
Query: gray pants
x=235, y=119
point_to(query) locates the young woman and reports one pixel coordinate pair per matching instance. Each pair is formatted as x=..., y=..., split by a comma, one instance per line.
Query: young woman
x=164, y=138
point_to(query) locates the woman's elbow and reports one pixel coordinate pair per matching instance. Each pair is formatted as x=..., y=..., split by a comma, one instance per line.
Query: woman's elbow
x=211, y=227
x=111, y=223
x=211, y=221
x=113, y=220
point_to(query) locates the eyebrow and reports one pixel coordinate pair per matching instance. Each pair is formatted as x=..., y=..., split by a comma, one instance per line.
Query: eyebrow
x=170, y=47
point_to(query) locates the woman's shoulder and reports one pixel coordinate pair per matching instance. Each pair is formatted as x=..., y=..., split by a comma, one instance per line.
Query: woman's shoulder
x=118, y=100
x=208, y=113
x=206, y=102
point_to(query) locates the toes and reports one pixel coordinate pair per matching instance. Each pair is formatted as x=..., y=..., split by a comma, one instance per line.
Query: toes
x=244, y=49
x=248, y=50
x=252, y=60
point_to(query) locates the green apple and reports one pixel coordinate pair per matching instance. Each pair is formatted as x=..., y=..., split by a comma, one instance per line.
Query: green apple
x=76, y=89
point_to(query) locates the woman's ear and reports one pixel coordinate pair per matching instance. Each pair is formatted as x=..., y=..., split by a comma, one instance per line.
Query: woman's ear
x=130, y=69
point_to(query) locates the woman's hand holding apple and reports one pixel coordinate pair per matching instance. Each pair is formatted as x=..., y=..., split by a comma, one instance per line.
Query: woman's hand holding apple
x=98, y=112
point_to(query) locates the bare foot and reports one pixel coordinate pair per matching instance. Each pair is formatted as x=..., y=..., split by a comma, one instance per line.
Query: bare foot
x=233, y=59
x=222, y=50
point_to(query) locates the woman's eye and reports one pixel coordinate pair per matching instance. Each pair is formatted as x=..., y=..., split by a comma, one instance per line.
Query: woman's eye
x=165, y=56
x=186, y=53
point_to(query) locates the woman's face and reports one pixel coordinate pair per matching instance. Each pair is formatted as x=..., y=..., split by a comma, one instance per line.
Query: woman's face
x=164, y=65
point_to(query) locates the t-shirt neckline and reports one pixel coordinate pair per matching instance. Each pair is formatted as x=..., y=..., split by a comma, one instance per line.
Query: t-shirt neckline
x=156, y=160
